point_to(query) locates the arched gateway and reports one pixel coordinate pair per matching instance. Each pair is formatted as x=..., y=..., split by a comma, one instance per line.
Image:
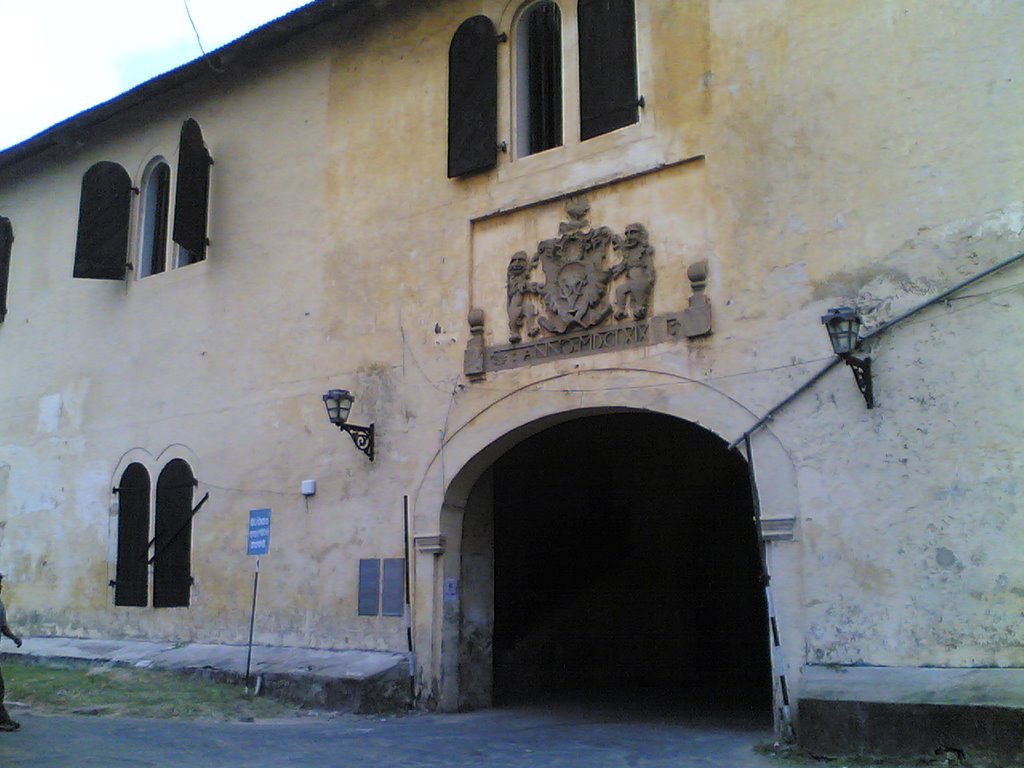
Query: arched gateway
x=600, y=551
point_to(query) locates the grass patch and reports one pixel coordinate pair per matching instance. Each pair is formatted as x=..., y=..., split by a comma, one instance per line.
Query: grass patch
x=132, y=692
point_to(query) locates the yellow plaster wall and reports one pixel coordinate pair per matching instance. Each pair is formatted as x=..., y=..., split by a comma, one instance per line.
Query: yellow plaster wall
x=816, y=153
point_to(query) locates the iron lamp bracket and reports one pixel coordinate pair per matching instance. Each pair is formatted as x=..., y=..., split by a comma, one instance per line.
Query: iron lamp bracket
x=862, y=373
x=361, y=436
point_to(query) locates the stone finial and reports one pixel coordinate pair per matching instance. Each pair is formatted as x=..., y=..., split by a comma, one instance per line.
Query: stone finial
x=695, y=320
x=698, y=276
x=473, y=359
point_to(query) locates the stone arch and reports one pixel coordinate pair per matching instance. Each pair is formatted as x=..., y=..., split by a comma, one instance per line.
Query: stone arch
x=486, y=429
x=153, y=465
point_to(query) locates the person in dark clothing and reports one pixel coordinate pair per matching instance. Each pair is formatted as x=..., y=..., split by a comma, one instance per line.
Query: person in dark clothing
x=6, y=723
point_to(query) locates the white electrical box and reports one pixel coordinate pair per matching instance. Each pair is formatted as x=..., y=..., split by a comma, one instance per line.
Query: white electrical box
x=309, y=487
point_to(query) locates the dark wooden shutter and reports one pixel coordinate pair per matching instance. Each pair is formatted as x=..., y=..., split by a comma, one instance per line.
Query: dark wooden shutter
x=6, y=241
x=101, y=252
x=191, y=198
x=131, y=583
x=544, y=49
x=608, y=86
x=473, y=97
x=172, y=568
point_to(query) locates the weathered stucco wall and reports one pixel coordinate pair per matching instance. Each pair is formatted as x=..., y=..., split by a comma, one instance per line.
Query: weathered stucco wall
x=870, y=156
x=816, y=154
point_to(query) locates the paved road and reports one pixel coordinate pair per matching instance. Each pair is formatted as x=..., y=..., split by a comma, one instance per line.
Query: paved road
x=553, y=738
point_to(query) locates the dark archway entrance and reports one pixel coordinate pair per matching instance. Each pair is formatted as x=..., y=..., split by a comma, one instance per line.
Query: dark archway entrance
x=625, y=566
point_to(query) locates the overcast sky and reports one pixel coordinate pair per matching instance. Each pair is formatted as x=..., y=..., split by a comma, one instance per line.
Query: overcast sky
x=58, y=57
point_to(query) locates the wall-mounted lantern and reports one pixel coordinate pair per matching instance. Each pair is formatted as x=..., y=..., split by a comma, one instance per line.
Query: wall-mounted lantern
x=843, y=326
x=338, y=403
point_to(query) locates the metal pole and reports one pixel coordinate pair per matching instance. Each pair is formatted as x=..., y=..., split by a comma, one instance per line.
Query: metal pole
x=408, y=600
x=782, y=715
x=790, y=398
x=252, y=622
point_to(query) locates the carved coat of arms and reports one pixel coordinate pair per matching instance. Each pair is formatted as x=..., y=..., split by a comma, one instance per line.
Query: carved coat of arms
x=577, y=278
x=590, y=274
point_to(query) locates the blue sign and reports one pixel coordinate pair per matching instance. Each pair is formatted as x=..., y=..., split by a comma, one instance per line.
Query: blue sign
x=259, y=532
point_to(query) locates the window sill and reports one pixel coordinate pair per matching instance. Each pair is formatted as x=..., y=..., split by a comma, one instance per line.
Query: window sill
x=574, y=151
x=579, y=166
x=172, y=275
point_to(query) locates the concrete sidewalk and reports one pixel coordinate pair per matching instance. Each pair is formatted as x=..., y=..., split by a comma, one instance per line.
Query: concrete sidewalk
x=344, y=680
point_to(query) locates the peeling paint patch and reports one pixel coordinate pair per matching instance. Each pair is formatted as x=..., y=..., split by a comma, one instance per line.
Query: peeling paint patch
x=789, y=280
x=849, y=284
x=872, y=578
x=796, y=224
x=50, y=408
x=951, y=493
x=945, y=558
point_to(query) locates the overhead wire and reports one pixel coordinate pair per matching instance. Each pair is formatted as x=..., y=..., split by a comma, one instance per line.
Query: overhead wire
x=206, y=56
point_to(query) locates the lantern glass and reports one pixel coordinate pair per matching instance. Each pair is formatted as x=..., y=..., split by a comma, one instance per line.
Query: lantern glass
x=843, y=326
x=338, y=403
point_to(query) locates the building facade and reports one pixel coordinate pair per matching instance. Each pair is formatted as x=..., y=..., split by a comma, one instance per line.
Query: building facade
x=565, y=256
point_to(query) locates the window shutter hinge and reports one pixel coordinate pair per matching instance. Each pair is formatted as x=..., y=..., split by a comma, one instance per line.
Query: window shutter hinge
x=503, y=146
x=115, y=490
x=641, y=102
x=135, y=190
x=111, y=583
x=502, y=38
x=129, y=266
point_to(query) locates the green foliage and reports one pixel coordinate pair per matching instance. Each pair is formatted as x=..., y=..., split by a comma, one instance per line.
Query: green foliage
x=132, y=692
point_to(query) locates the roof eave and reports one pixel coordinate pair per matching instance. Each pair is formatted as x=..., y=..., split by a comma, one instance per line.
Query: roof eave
x=260, y=40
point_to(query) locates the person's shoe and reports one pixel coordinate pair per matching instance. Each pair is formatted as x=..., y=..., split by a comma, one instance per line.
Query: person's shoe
x=10, y=725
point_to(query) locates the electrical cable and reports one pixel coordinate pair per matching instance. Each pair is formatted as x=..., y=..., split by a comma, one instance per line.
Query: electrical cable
x=206, y=56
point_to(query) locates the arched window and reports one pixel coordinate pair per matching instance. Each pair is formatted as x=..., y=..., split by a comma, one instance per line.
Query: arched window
x=156, y=198
x=172, y=555
x=538, y=39
x=131, y=584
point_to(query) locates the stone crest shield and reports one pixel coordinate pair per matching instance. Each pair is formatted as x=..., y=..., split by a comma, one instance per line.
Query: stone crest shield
x=576, y=278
